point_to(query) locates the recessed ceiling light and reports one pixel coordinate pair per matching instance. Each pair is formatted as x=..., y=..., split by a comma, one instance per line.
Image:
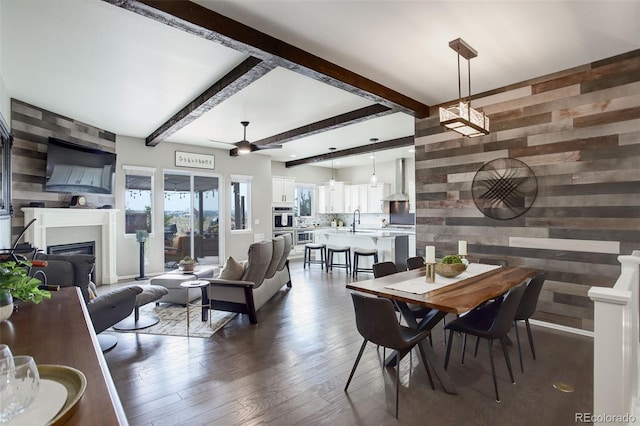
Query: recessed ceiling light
x=293, y=156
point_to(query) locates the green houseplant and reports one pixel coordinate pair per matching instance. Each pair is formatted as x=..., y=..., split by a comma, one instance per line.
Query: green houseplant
x=15, y=281
x=187, y=264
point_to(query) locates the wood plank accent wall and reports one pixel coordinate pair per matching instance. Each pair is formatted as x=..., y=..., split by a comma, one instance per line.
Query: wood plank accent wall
x=31, y=127
x=579, y=131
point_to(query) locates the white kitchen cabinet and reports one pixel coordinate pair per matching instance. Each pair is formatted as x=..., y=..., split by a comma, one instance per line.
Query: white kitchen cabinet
x=331, y=201
x=322, y=199
x=283, y=190
x=355, y=197
x=412, y=245
x=376, y=195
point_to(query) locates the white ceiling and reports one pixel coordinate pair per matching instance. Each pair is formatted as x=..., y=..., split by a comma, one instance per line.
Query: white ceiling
x=128, y=74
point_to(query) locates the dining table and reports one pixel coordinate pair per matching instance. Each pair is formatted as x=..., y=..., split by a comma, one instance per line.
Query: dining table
x=478, y=284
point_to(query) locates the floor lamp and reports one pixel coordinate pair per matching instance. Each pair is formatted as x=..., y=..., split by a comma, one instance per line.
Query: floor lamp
x=141, y=237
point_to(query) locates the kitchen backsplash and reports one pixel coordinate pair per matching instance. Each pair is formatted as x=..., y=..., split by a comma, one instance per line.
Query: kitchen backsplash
x=367, y=220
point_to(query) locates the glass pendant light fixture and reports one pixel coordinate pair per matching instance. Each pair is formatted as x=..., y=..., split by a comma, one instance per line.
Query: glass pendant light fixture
x=332, y=181
x=374, y=178
x=462, y=118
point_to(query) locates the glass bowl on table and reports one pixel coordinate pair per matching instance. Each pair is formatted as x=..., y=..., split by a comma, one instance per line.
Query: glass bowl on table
x=22, y=385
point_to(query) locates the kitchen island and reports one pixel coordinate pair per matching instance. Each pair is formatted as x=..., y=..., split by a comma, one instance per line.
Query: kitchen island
x=392, y=245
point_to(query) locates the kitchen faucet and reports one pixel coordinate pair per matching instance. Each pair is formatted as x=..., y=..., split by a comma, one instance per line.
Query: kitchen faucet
x=353, y=224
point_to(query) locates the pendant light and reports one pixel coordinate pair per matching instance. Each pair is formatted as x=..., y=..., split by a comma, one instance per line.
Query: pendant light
x=374, y=178
x=332, y=182
x=462, y=118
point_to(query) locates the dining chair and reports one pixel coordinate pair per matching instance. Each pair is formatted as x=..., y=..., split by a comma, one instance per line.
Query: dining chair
x=526, y=309
x=415, y=262
x=490, y=324
x=376, y=322
x=382, y=269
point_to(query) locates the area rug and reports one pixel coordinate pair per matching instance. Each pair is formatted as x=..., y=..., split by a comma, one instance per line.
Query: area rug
x=173, y=321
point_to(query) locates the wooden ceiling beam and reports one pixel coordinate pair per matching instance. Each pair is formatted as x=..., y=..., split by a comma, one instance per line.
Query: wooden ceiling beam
x=378, y=146
x=237, y=79
x=210, y=25
x=332, y=123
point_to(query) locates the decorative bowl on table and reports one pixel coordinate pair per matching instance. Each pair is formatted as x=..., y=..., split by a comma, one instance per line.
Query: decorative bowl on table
x=450, y=270
x=187, y=264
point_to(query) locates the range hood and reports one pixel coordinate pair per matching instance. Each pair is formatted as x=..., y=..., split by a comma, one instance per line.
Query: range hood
x=399, y=193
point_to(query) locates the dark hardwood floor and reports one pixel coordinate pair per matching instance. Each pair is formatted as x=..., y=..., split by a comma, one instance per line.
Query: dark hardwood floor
x=291, y=369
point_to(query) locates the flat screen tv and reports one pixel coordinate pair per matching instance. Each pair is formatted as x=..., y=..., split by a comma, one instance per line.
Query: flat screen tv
x=79, y=170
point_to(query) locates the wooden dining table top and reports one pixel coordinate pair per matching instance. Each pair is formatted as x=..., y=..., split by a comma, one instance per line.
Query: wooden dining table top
x=456, y=298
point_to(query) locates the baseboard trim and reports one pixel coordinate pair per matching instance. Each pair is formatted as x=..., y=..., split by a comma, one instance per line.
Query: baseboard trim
x=562, y=328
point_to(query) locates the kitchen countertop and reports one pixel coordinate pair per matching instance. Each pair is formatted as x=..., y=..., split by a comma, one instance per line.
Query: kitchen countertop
x=364, y=232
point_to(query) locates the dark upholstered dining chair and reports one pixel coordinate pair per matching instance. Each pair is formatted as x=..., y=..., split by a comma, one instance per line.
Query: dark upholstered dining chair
x=382, y=269
x=415, y=262
x=489, y=324
x=526, y=309
x=376, y=322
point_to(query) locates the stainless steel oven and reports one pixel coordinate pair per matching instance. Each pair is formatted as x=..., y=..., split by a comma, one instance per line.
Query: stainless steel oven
x=282, y=218
x=278, y=233
x=304, y=236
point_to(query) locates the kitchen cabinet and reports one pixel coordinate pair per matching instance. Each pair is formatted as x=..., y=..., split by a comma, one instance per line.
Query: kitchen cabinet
x=331, y=201
x=412, y=245
x=283, y=190
x=375, y=197
x=356, y=197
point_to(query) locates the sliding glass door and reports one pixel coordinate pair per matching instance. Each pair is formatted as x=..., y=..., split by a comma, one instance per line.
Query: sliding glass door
x=191, y=218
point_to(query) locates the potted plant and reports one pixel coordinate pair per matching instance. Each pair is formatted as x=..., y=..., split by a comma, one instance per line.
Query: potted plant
x=16, y=284
x=187, y=264
x=450, y=266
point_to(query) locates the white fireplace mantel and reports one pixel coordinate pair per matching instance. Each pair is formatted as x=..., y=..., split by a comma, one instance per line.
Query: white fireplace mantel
x=72, y=218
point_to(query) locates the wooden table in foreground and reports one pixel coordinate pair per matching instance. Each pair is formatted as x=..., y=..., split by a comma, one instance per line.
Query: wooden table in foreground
x=59, y=331
x=455, y=298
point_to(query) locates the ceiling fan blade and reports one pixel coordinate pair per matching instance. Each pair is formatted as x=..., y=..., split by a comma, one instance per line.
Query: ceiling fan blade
x=222, y=142
x=261, y=147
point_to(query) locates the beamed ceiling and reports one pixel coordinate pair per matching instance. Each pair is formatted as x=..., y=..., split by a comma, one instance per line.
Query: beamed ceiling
x=307, y=74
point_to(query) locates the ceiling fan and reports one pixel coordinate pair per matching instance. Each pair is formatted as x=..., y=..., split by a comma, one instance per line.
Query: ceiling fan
x=245, y=147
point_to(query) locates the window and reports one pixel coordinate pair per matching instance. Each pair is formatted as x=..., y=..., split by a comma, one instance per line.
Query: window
x=240, y=203
x=303, y=204
x=138, y=199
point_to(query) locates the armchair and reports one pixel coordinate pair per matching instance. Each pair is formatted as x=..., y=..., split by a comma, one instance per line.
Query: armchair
x=105, y=310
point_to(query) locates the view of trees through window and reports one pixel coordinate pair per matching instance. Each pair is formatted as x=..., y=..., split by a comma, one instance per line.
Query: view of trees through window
x=303, y=205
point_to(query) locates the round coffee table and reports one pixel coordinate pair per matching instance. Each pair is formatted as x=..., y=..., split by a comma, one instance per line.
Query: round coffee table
x=194, y=284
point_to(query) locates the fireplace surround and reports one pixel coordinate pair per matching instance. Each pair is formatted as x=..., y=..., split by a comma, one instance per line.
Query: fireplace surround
x=77, y=220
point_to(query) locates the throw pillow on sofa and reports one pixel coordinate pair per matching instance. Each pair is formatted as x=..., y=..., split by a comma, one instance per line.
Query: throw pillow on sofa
x=232, y=270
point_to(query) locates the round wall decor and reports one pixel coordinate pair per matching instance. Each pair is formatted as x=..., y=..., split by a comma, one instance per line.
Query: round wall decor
x=504, y=188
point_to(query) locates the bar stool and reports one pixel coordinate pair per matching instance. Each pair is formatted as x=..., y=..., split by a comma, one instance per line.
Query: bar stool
x=308, y=248
x=366, y=253
x=347, y=258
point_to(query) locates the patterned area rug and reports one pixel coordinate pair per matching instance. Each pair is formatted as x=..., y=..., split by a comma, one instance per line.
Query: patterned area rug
x=173, y=321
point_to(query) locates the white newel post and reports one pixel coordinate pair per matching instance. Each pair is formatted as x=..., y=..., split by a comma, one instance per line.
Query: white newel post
x=616, y=370
x=72, y=218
